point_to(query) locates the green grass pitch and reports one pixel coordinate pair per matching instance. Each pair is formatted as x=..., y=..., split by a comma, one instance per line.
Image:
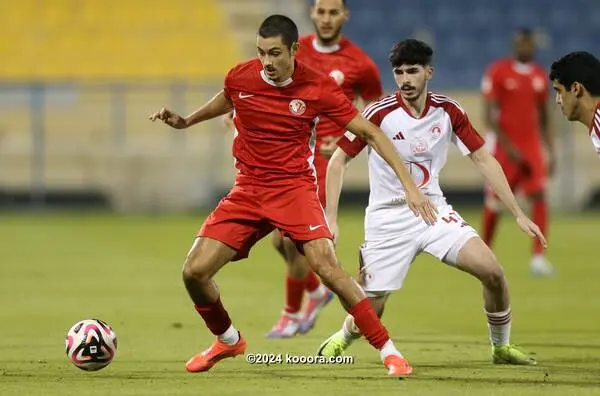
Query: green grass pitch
x=59, y=268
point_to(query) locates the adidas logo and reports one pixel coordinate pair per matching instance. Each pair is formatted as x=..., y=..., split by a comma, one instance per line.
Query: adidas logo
x=399, y=136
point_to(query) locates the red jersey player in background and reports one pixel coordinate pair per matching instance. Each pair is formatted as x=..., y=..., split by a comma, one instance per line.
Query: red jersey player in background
x=576, y=79
x=329, y=52
x=276, y=102
x=516, y=93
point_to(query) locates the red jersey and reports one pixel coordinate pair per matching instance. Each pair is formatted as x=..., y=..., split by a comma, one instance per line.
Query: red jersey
x=519, y=89
x=275, y=125
x=349, y=66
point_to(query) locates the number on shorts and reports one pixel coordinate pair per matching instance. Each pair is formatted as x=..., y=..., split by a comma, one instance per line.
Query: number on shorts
x=454, y=217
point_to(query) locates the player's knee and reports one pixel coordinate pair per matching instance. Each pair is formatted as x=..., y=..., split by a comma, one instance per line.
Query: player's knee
x=493, y=277
x=195, y=267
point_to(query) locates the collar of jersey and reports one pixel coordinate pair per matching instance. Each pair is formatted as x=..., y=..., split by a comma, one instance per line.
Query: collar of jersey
x=522, y=68
x=596, y=114
x=323, y=48
x=273, y=83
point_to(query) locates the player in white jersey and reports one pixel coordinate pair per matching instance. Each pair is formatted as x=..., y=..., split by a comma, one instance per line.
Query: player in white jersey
x=422, y=125
x=576, y=80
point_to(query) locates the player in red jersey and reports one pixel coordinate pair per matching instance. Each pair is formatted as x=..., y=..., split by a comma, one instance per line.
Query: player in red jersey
x=329, y=52
x=516, y=92
x=276, y=102
x=576, y=79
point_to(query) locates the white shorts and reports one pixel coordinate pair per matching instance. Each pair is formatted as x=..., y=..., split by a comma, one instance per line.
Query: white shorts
x=394, y=236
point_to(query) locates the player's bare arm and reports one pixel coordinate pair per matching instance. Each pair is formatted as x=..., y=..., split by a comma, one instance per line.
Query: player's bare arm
x=491, y=170
x=375, y=138
x=217, y=106
x=334, y=181
x=491, y=119
x=547, y=133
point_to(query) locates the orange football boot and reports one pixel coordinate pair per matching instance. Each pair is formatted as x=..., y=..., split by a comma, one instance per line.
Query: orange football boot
x=397, y=366
x=218, y=351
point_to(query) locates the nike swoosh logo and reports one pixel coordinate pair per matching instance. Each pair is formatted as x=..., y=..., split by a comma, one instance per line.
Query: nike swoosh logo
x=312, y=228
x=244, y=96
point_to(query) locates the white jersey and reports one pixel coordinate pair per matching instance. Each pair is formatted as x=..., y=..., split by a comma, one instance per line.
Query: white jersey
x=422, y=142
x=595, y=129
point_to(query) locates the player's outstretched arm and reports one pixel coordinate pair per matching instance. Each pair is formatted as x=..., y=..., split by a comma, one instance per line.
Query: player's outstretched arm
x=334, y=181
x=374, y=136
x=491, y=170
x=215, y=107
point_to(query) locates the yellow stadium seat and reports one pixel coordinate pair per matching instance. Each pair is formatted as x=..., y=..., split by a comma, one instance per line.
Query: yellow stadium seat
x=115, y=39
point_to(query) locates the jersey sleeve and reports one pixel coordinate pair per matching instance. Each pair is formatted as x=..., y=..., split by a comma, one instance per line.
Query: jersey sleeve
x=334, y=104
x=370, y=87
x=490, y=83
x=351, y=144
x=464, y=136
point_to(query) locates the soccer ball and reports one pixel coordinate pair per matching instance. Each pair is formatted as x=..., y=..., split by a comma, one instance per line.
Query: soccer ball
x=91, y=344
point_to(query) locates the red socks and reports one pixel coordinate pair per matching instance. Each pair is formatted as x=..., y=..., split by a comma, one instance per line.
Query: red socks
x=540, y=217
x=312, y=282
x=215, y=316
x=490, y=220
x=294, y=292
x=365, y=318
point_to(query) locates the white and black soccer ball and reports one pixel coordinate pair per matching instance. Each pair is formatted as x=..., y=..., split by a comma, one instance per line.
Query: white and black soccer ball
x=91, y=344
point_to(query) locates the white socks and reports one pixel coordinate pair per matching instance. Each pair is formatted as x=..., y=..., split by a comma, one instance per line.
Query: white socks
x=388, y=349
x=352, y=333
x=499, y=326
x=231, y=336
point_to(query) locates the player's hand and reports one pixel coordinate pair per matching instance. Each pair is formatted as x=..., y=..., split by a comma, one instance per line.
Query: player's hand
x=421, y=206
x=170, y=118
x=329, y=145
x=531, y=229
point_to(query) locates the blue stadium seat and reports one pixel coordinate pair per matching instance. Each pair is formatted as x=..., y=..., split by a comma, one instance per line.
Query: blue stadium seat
x=468, y=34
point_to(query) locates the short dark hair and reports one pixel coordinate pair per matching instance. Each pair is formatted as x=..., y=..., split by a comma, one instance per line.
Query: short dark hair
x=410, y=52
x=279, y=25
x=344, y=2
x=524, y=31
x=579, y=66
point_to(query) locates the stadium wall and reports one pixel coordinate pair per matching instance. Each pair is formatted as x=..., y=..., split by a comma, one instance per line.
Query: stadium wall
x=95, y=144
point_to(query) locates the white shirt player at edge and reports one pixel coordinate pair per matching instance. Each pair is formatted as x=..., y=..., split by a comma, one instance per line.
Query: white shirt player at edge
x=595, y=130
x=422, y=142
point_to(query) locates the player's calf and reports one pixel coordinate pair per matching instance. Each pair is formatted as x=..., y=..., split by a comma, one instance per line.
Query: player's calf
x=322, y=259
x=477, y=259
x=204, y=259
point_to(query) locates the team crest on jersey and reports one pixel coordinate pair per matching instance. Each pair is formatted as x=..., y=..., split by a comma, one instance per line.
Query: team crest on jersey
x=338, y=76
x=418, y=146
x=511, y=84
x=436, y=131
x=297, y=107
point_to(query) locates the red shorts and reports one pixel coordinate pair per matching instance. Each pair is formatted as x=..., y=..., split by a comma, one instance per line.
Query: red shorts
x=529, y=176
x=249, y=213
